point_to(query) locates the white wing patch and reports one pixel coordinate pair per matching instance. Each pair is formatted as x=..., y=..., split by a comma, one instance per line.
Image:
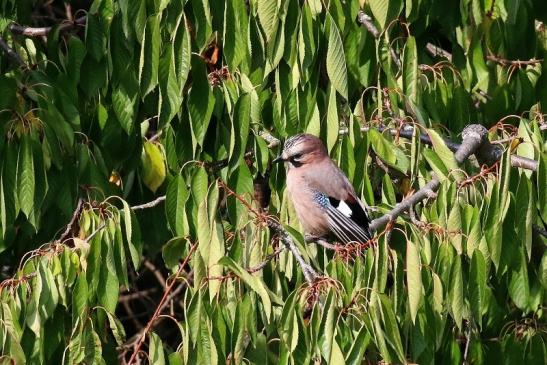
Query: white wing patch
x=344, y=209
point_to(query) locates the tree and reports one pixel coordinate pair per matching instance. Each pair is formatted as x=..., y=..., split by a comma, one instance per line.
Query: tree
x=142, y=219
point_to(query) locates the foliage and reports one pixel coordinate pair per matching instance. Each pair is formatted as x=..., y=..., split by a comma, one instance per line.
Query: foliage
x=177, y=103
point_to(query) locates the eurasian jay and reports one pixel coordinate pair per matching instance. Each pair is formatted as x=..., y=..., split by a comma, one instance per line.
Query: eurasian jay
x=323, y=198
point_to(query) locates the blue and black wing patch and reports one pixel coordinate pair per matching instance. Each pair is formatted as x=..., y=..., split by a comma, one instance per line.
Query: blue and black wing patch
x=347, y=219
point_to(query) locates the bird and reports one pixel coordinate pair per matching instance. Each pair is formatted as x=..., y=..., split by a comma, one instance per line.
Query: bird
x=324, y=199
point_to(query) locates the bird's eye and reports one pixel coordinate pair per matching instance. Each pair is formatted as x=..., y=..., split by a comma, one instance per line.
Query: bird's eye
x=296, y=156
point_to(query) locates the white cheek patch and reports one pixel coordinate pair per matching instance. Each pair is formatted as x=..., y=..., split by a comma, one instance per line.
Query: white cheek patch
x=344, y=208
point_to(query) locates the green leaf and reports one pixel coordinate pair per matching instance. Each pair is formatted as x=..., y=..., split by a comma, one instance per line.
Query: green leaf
x=336, y=60
x=267, y=14
x=235, y=19
x=155, y=351
x=241, y=182
x=25, y=176
x=410, y=70
x=203, y=22
x=123, y=104
x=216, y=252
x=79, y=298
x=436, y=164
x=332, y=127
x=519, y=286
x=454, y=225
x=456, y=292
x=414, y=278
x=446, y=156
x=241, y=122
x=289, y=323
x=175, y=202
x=326, y=333
x=172, y=251
x=183, y=53
x=254, y=282
x=170, y=98
x=150, y=55
x=9, y=202
x=382, y=147
x=94, y=37
x=358, y=348
x=201, y=101
x=525, y=211
x=385, y=10
x=153, y=166
x=477, y=285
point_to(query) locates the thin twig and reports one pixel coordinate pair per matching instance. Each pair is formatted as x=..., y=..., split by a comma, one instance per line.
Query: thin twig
x=309, y=273
x=263, y=264
x=73, y=220
x=467, y=341
x=90, y=237
x=151, y=204
x=166, y=298
x=154, y=270
x=517, y=63
x=367, y=22
x=42, y=31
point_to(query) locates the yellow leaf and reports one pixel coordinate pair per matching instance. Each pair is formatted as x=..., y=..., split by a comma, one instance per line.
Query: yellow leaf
x=153, y=166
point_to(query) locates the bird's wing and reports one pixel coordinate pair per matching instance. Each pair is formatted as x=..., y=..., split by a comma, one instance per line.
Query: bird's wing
x=347, y=218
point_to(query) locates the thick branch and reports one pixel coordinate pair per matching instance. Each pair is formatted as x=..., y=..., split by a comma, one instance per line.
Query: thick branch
x=428, y=191
x=474, y=138
x=42, y=31
x=487, y=154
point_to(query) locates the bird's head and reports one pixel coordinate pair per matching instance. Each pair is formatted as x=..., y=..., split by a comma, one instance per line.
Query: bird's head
x=302, y=149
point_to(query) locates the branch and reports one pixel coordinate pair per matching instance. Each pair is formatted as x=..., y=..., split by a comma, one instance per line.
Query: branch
x=42, y=31
x=167, y=296
x=366, y=21
x=309, y=273
x=75, y=217
x=151, y=204
x=474, y=139
x=516, y=63
x=263, y=264
x=438, y=51
x=268, y=137
x=14, y=56
x=487, y=154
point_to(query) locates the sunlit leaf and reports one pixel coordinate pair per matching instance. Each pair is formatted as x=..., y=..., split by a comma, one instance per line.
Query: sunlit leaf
x=153, y=166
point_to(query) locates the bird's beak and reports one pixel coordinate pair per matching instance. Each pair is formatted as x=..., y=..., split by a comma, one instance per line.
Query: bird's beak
x=278, y=159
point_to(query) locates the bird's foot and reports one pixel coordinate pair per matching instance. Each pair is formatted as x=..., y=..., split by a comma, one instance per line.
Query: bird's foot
x=312, y=238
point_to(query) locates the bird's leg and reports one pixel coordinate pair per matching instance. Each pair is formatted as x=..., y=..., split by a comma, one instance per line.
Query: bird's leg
x=308, y=238
x=320, y=240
